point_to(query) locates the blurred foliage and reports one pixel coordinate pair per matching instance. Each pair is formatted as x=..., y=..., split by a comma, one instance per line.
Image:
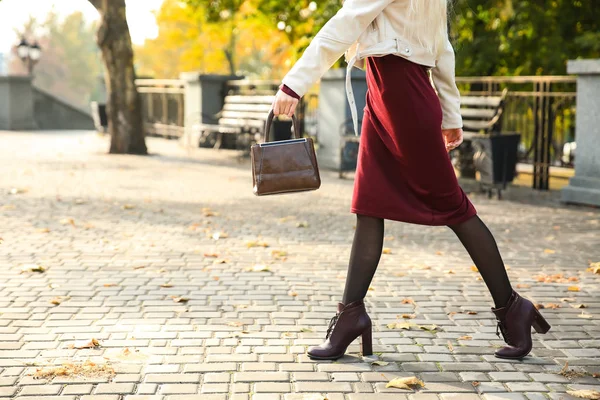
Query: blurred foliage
x=524, y=37
x=263, y=38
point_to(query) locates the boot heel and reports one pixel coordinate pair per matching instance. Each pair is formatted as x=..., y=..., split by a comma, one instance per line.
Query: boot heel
x=539, y=323
x=366, y=342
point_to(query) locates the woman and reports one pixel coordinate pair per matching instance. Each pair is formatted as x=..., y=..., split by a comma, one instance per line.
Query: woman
x=404, y=172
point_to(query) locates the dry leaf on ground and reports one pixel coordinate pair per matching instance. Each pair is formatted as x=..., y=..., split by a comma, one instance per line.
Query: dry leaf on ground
x=256, y=244
x=235, y=323
x=549, y=251
x=32, y=268
x=178, y=299
x=429, y=328
x=584, y=315
x=472, y=312
x=474, y=268
x=573, y=288
x=279, y=254
x=139, y=267
x=43, y=230
x=450, y=347
x=306, y=330
x=293, y=294
x=405, y=383
x=302, y=224
x=220, y=261
x=450, y=271
x=17, y=191
x=109, y=284
x=386, y=251
x=380, y=363
x=85, y=344
x=211, y=255
x=475, y=383
x=207, y=212
x=219, y=235
x=59, y=299
x=567, y=299
x=408, y=300
x=88, y=369
x=585, y=394
x=578, y=306
x=166, y=285
x=594, y=267
x=552, y=305
x=408, y=316
x=466, y=337
x=570, y=373
x=67, y=221
x=288, y=218
x=523, y=286
x=128, y=206
x=400, y=325
x=258, y=268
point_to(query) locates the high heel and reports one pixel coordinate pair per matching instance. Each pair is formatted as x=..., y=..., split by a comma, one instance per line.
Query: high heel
x=350, y=322
x=366, y=342
x=539, y=323
x=514, y=322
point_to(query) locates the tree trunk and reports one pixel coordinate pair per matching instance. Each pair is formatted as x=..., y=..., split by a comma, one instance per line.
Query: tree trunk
x=124, y=107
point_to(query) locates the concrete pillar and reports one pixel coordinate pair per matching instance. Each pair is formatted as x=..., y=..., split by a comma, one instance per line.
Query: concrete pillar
x=584, y=187
x=16, y=103
x=334, y=113
x=204, y=97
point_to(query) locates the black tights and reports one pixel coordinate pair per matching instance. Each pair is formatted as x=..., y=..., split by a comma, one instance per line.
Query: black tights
x=473, y=234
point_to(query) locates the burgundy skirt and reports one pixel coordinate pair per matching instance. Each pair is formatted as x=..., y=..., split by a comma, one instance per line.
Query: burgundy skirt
x=404, y=172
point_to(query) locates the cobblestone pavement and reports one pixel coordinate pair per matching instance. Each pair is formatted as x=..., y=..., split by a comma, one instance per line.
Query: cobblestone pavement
x=126, y=240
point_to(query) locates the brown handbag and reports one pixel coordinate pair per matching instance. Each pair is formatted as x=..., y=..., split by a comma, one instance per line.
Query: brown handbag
x=284, y=166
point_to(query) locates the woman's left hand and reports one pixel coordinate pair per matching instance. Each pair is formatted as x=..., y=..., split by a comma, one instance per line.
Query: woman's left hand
x=284, y=104
x=452, y=138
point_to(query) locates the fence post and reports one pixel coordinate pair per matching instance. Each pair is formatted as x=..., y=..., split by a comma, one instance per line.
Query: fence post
x=584, y=187
x=203, y=99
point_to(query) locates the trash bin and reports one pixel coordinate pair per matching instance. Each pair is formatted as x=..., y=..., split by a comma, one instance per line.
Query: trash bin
x=495, y=158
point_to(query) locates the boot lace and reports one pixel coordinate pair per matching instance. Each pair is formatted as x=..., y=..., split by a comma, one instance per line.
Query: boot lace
x=332, y=323
x=501, y=328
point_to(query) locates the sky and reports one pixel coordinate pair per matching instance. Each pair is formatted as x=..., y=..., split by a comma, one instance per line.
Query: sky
x=14, y=14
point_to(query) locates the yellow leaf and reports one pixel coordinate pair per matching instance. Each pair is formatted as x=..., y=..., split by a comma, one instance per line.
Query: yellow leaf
x=86, y=344
x=400, y=325
x=578, y=306
x=380, y=363
x=33, y=268
x=279, y=254
x=549, y=251
x=43, y=230
x=408, y=300
x=408, y=316
x=594, y=268
x=386, y=251
x=56, y=301
x=429, y=328
x=293, y=294
x=405, y=383
x=178, y=299
x=573, y=288
x=220, y=261
x=523, y=286
x=306, y=330
x=67, y=221
x=258, y=268
x=166, y=285
x=207, y=212
x=552, y=305
x=466, y=337
x=139, y=267
x=302, y=224
x=450, y=272
x=109, y=284
x=211, y=255
x=474, y=268
x=256, y=244
x=585, y=394
x=128, y=206
x=399, y=274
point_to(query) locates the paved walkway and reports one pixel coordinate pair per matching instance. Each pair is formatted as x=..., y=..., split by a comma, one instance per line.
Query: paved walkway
x=161, y=265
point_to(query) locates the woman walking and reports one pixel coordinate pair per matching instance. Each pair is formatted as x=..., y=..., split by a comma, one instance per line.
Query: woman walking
x=404, y=172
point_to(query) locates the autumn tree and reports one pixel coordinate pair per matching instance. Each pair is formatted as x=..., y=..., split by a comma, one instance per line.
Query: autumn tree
x=124, y=108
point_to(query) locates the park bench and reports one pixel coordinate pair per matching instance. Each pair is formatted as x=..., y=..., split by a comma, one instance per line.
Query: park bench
x=243, y=116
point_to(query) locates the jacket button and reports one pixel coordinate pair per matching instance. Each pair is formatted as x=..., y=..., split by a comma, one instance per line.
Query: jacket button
x=407, y=50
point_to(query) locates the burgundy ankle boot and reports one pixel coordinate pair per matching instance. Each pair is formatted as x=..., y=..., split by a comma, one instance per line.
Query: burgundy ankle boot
x=515, y=321
x=350, y=322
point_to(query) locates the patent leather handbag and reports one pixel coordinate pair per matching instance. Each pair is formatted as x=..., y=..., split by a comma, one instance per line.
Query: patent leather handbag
x=284, y=166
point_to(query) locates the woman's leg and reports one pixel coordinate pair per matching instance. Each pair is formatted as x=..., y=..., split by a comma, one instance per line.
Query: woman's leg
x=482, y=248
x=364, y=257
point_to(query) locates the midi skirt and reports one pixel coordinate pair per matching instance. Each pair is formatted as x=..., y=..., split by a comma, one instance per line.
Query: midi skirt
x=404, y=172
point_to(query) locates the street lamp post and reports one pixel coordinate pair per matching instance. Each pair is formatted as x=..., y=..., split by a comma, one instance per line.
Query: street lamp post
x=29, y=54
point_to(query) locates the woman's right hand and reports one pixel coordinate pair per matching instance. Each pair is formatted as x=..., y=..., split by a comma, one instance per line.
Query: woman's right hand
x=284, y=104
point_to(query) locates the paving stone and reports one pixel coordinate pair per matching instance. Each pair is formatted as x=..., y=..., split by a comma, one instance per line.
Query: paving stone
x=459, y=396
x=114, y=388
x=272, y=387
x=40, y=390
x=504, y=396
x=508, y=376
x=261, y=377
x=77, y=389
x=323, y=387
x=375, y=396
x=178, y=388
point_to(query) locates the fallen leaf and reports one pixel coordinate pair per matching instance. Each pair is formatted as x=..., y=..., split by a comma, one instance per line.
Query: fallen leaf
x=258, y=268
x=166, y=285
x=109, y=284
x=32, y=268
x=302, y=224
x=549, y=251
x=17, y=191
x=306, y=330
x=380, y=363
x=235, y=323
x=475, y=383
x=400, y=325
x=429, y=328
x=408, y=300
x=594, y=268
x=584, y=315
x=67, y=221
x=178, y=299
x=523, y=286
x=450, y=347
x=57, y=300
x=86, y=344
x=399, y=274
x=567, y=299
x=279, y=254
x=215, y=278
x=450, y=271
x=386, y=251
x=408, y=316
x=539, y=306
x=293, y=294
x=596, y=375
x=585, y=394
x=211, y=255
x=472, y=312
x=220, y=235
x=573, y=288
x=220, y=261
x=552, y=306
x=128, y=206
x=405, y=383
x=578, y=306
x=207, y=212
x=439, y=253
x=256, y=244
x=43, y=230
x=371, y=288
x=139, y=267
x=474, y=268
x=466, y=337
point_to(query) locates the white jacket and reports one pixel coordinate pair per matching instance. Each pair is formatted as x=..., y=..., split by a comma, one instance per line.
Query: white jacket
x=363, y=28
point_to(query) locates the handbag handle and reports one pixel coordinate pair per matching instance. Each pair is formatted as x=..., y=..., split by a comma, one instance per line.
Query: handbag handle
x=270, y=121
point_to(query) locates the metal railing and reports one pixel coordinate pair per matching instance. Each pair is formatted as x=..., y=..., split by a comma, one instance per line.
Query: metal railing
x=163, y=106
x=541, y=109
